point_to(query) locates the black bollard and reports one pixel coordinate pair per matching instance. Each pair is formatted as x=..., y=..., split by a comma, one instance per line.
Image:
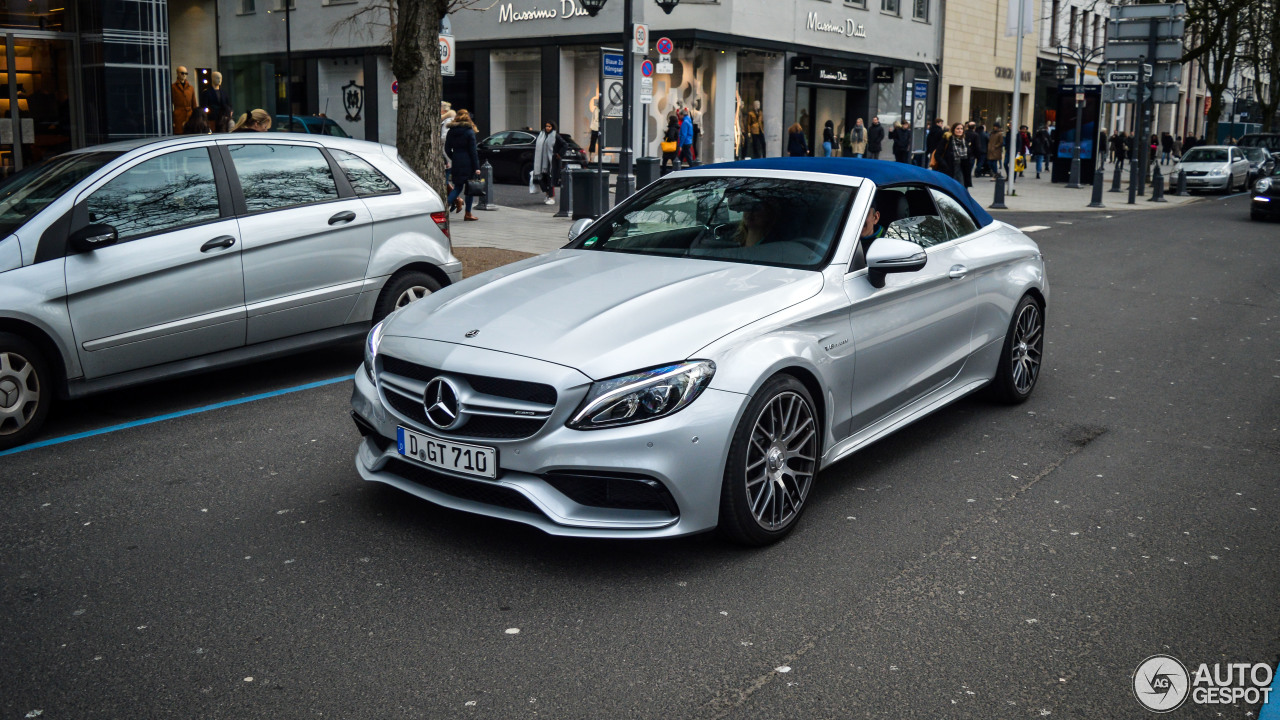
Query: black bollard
x=1182, y=184
x=1096, y=200
x=566, y=194
x=998, y=202
x=1133, y=182
x=487, y=203
x=1115, y=178
x=1157, y=187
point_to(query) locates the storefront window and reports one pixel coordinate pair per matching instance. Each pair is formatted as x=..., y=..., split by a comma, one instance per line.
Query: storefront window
x=38, y=125
x=749, y=118
x=889, y=99
x=33, y=14
x=516, y=85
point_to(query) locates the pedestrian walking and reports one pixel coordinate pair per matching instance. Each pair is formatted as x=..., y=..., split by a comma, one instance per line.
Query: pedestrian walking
x=901, y=137
x=875, y=138
x=217, y=105
x=183, y=95
x=1177, y=149
x=686, y=137
x=460, y=145
x=796, y=144
x=977, y=150
x=828, y=138
x=858, y=139
x=1121, y=145
x=256, y=120
x=952, y=152
x=1040, y=148
x=1101, y=151
x=1153, y=147
x=1022, y=149
x=670, y=142
x=995, y=150
x=1166, y=147
x=933, y=138
x=547, y=151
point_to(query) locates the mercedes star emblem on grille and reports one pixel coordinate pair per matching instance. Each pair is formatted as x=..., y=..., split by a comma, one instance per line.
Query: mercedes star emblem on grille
x=441, y=401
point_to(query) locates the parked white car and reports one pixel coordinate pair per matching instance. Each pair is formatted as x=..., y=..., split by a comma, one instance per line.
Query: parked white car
x=1215, y=167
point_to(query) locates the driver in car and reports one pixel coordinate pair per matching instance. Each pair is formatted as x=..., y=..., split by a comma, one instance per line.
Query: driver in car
x=759, y=216
x=872, y=228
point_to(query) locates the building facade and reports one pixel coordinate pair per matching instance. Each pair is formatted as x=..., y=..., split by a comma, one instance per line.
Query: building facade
x=979, y=58
x=521, y=62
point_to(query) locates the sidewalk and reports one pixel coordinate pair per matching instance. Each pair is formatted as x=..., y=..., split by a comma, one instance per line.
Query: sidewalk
x=536, y=231
x=1043, y=196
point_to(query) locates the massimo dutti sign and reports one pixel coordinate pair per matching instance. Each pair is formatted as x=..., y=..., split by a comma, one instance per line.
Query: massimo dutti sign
x=565, y=10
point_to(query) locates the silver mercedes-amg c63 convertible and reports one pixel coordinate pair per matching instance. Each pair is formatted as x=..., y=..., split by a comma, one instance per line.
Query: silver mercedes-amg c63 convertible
x=693, y=358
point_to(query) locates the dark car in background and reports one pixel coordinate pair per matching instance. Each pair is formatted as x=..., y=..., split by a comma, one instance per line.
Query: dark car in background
x=1261, y=163
x=1265, y=203
x=1268, y=141
x=510, y=152
x=307, y=124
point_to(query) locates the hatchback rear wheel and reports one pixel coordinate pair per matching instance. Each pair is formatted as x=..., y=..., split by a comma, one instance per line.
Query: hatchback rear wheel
x=25, y=392
x=402, y=289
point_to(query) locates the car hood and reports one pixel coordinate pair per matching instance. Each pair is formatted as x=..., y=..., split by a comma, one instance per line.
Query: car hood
x=1216, y=165
x=604, y=313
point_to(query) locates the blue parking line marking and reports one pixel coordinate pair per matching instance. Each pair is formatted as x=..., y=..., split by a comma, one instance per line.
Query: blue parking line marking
x=1271, y=711
x=1228, y=197
x=172, y=415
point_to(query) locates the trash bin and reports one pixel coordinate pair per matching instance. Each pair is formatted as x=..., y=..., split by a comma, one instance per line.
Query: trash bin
x=646, y=171
x=588, y=200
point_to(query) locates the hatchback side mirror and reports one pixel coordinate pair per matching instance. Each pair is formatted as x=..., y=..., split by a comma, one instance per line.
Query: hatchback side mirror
x=890, y=255
x=578, y=226
x=92, y=237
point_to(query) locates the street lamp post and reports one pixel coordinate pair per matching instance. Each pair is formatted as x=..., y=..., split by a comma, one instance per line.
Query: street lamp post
x=1082, y=58
x=625, y=166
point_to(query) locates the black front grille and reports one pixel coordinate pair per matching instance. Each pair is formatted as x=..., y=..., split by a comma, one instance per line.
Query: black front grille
x=540, y=393
x=475, y=490
x=1197, y=173
x=619, y=491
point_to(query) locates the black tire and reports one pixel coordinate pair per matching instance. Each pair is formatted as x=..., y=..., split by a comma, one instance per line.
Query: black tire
x=26, y=390
x=794, y=471
x=1021, y=358
x=526, y=170
x=399, y=289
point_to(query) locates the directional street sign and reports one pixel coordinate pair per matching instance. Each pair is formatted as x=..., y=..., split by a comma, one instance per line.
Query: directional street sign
x=1163, y=73
x=1121, y=85
x=1145, y=12
x=1127, y=93
x=613, y=65
x=1166, y=50
x=1121, y=30
x=1122, y=77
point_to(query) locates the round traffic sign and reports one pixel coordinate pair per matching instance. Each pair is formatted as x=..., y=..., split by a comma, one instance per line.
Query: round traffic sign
x=395, y=87
x=646, y=68
x=664, y=46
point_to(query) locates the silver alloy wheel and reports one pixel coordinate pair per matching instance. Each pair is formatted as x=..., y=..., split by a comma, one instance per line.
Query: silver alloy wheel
x=19, y=392
x=781, y=460
x=412, y=294
x=1028, y=347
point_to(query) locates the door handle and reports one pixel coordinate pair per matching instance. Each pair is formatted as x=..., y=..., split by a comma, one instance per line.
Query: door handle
x=224, y=241
x=957, y=272
x=345, y=216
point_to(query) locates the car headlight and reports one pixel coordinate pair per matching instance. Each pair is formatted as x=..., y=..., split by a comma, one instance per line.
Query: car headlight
x=371, y=350
x=643, y=396
x=1218, y=172
x=1263, y=185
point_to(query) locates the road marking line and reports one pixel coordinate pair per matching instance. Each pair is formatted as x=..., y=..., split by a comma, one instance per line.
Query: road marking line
x=1228, y=197
x=172, y=415
x=1033, y=228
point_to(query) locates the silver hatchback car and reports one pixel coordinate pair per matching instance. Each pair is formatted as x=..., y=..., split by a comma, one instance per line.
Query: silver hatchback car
x=134, y=261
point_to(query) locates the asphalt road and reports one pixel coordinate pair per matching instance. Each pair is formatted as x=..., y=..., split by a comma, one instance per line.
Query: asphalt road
x=987, y=562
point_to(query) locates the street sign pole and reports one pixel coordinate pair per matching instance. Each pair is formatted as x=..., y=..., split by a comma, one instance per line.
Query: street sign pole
x=1014, y=130
x=626, y=182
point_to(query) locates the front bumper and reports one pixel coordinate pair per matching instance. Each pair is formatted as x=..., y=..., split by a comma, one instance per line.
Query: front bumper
x=685, y=452
x=1208, y=182
x=1265, y=205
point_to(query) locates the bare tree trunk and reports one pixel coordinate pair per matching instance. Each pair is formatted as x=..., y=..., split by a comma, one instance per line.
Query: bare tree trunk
x=415, y=61
x=1264, y=57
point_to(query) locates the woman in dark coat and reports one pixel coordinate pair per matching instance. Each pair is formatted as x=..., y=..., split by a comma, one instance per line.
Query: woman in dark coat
x=954, y=151
x=901, y=135
x=460, y=146
x=828, y=138
x=797, y=146
x=670, y=139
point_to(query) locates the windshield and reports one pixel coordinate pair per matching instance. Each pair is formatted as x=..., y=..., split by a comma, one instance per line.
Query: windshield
x=1270, y=141
x=763, y=221
x=24, y=195
x=1256, y=154
x=1205, y=155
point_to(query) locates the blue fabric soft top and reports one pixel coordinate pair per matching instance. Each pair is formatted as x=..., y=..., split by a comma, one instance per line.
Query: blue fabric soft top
x=880, y=172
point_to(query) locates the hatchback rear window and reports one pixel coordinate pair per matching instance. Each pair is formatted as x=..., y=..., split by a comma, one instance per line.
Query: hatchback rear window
x=364, y=178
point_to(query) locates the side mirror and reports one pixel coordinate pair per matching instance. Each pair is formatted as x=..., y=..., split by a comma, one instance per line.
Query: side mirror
x=92, y=237
x=890, y=255
x=578, y=226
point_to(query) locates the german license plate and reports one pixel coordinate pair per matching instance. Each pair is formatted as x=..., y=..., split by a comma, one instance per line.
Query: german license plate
x=446, y=455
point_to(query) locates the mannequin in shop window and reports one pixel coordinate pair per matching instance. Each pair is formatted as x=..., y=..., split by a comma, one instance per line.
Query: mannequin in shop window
x=593, y=147
x=755, y=129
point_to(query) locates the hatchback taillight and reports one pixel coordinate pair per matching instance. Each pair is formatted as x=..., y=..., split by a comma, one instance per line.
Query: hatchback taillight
x=442, y=221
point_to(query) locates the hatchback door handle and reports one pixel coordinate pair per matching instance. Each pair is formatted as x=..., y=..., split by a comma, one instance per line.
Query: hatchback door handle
x=225, y=241
x=345, y=216
x=957, y=272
